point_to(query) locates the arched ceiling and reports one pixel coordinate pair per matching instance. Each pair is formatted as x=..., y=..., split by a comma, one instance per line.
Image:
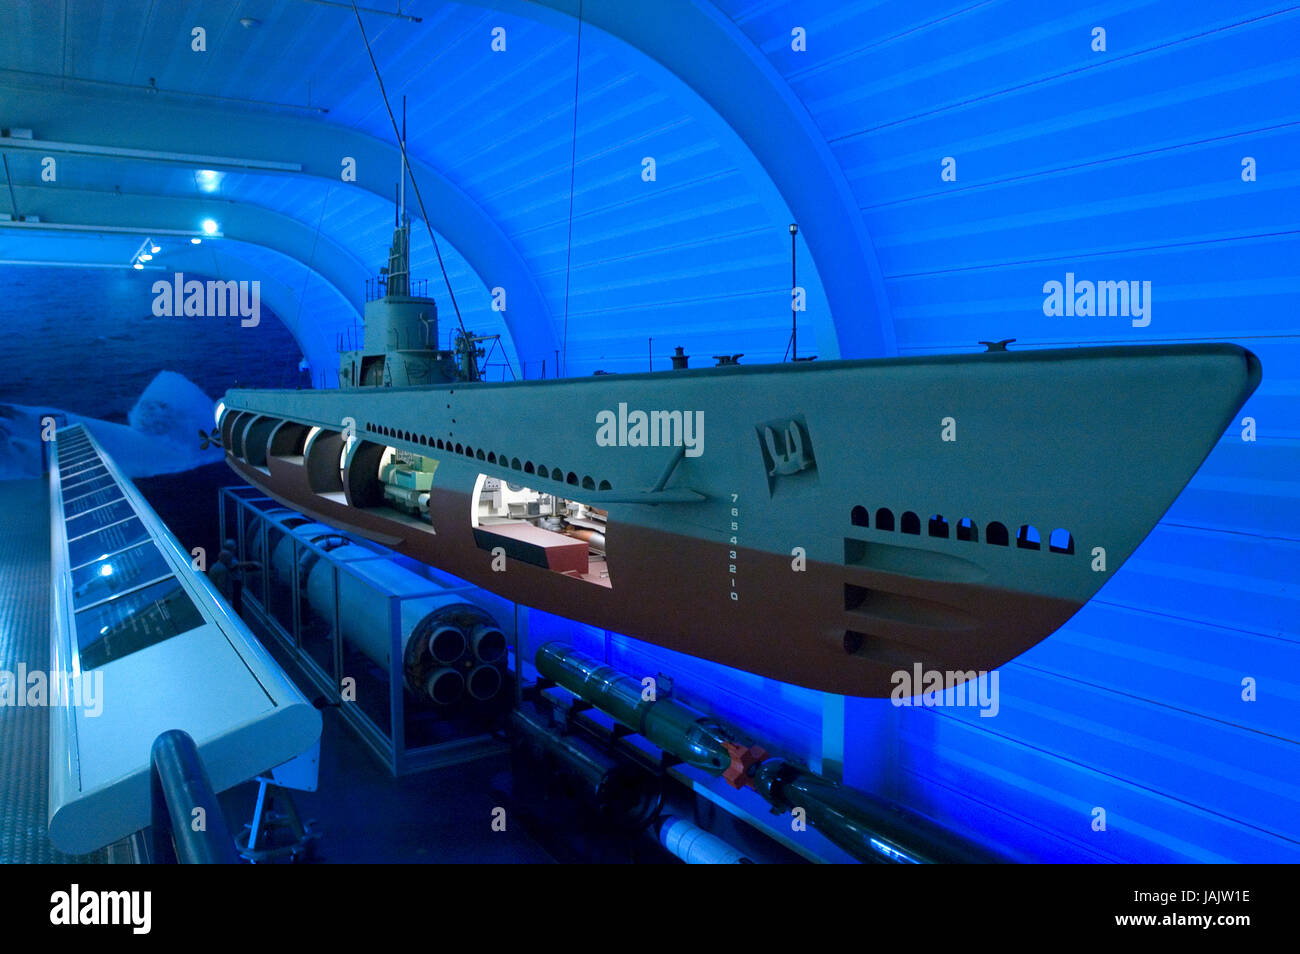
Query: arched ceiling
x=698, y=256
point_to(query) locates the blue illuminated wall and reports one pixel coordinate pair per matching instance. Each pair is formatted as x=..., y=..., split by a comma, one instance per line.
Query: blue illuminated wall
x=1125, y=163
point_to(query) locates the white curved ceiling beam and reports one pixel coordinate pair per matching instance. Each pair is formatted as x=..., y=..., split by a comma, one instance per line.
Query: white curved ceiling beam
x=109, y=213
x=236, y=220
x=139, y=121
x=701, y=46
x=38, y=245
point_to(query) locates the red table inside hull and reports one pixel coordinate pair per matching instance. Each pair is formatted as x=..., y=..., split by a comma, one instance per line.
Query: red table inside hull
x=523, y=541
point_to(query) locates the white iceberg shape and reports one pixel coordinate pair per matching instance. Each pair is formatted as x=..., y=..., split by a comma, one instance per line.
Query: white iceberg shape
x=162, y=437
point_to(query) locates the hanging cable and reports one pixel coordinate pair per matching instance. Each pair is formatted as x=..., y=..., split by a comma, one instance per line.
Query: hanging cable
x=414, y=184
x=13, y=203
x=573, y=169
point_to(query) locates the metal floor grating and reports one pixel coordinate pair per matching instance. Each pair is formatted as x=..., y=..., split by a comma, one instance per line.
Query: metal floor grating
x=25, y=638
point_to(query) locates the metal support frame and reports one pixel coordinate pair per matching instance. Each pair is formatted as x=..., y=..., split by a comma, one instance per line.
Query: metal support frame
x=389, y=747
x=257, y=842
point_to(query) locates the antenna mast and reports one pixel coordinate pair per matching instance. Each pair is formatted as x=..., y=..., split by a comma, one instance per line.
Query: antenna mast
x=401, y=195
x=794, y=285
x=399, y=256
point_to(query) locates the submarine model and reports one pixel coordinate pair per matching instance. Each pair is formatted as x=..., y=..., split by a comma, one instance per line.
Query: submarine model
x=827, y=524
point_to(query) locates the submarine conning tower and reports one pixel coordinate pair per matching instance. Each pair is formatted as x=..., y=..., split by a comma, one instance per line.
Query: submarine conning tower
x=400, y=343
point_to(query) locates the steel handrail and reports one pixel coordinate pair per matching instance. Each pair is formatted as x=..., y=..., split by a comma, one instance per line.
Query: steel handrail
x=178, y=786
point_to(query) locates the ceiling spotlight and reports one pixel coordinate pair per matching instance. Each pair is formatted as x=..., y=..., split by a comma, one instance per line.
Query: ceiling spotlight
x=209, y=227
x=208, y=179
x=154, y=249
x=249, y=22
x=142, y=254
x=195, y=241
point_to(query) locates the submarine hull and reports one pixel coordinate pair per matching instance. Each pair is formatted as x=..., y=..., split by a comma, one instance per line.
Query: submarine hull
x=837, y=522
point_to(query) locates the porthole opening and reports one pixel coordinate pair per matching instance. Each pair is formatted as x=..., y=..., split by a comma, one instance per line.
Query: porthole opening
x=1027, y=537
x=1061, y=541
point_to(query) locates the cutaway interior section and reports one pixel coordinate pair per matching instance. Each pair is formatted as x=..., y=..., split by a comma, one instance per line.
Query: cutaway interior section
x=230, y=422
x=323, y=453
x=560, y=534
x=256, y=434
x=288, y=441
x=392, y=482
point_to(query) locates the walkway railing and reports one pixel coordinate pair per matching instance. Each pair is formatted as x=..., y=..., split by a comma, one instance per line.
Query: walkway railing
x=179, y=786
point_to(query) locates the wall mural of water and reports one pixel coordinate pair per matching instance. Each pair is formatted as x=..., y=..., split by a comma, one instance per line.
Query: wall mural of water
x=84, y=342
